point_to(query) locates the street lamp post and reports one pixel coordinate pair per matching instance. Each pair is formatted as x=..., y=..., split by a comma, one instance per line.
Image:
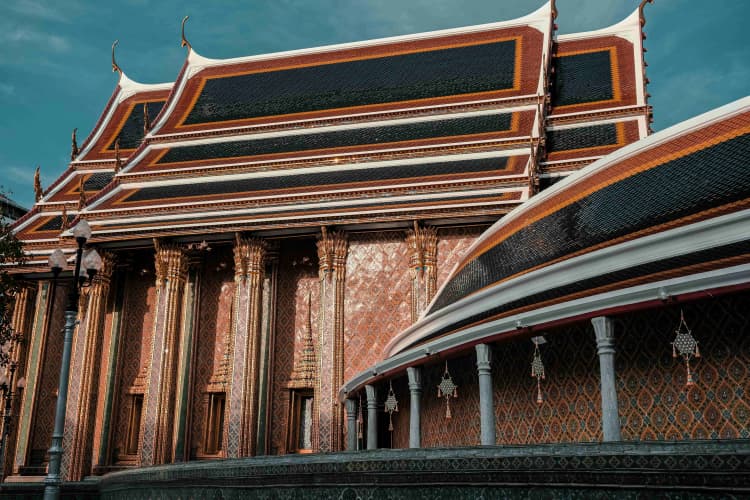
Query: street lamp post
x=91, y=263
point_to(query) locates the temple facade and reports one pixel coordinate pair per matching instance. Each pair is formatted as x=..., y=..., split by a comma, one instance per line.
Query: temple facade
x=373, y=245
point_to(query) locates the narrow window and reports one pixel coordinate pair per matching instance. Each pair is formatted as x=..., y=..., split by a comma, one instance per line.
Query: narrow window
x=301, y=421
x=215, y=422
x=134, y=423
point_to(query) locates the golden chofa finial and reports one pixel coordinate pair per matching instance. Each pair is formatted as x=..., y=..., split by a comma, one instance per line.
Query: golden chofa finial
x=38, y=192
x=184, y=42
x=115, y=66
x=73, y=145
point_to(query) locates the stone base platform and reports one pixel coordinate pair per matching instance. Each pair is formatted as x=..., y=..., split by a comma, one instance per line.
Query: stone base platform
x=694, y=469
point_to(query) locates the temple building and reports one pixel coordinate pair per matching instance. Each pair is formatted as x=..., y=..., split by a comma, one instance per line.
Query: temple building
x=375, y=244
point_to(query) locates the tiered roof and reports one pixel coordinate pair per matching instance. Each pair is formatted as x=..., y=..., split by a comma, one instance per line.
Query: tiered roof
x=435, y=126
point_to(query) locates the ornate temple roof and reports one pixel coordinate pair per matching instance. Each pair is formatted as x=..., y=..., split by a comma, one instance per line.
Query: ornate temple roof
x=460, y=123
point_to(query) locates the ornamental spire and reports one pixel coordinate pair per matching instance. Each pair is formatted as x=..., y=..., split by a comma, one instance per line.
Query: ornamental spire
x=73, y=145
x=184, y=42
x=115, y=66
x=38, y=192
x=303, y=374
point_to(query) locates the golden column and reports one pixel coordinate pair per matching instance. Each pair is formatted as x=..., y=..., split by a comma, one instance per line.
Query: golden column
x=158, y=412
x=84, y=369
x=20, y=323
x=242, y=415
x=422, y=243
x=328, y=414
x=35, y=343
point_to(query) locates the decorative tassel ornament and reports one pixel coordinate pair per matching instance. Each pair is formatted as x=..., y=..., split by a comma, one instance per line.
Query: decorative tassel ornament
x=360, y=419
x=537, y=367
x=391, y=405
x=447, y=389
x=685, y=344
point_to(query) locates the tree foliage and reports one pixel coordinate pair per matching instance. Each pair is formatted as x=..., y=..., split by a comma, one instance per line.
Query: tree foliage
x=11, y=252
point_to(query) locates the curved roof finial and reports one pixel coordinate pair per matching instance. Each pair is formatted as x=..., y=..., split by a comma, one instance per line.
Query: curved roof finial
x=184, y=42
x=115, y=66
x=640, y=11
x=73, y=145
x=38, y=192
x=553, y=9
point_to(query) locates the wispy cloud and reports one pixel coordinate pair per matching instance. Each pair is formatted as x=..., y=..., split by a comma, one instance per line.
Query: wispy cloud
x=30, y=8
x=18, y=175
x=6, y=89
x=28, y=35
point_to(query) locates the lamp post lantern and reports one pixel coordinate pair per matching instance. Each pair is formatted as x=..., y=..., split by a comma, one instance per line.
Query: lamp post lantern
x=81, y=232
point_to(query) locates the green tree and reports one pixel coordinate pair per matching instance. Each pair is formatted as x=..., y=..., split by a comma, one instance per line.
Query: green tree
x=11, y=252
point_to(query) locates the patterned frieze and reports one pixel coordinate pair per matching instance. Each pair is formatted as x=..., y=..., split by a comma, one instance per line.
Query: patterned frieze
x=85, y=363
x=170, y=264
x=241, y=420
x=328, y=412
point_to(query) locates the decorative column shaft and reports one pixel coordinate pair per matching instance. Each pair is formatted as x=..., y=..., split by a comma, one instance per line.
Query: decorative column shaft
x=332, y=251
x=486, y=405
x=85, y=363
x=35, y=343
x=605, y=346
x=351, y=424
x=21, y=322
x=415, y=392
x=268, y=327
x=157, y=422
x=241, y=421
x=422, y=243
x=185, y=360
x=110, y=349
x=372, y=417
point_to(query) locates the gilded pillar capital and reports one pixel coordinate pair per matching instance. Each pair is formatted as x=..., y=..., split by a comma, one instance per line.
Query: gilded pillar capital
x=249, y=256
x=332, y=250
x=170, y=262
x=422, y=243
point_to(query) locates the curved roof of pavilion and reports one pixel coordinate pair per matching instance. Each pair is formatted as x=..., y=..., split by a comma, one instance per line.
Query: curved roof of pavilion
x=668, y=215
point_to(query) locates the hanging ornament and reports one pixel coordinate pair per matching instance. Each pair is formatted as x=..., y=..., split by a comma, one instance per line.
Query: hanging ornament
x=448, y=390
x=537, y=367
x=391, y=405
x=360, y=420
x=685, y=345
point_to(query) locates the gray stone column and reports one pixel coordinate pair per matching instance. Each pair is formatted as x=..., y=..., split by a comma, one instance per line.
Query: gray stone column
x=415, y=393
x=486, y=406
x=605, y=346
x=351, y=424
x=372, y=417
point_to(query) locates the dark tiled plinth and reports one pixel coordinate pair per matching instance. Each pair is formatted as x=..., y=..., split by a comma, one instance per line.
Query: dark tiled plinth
x=697, y=469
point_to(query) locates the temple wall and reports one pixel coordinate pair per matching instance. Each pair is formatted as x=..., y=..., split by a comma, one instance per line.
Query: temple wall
x=298, y=275
x=137, y=325
x=377, y=297
x=462, y=429
x=571, y=407
x=43, y=420
x=654, y=403
x=213, y=328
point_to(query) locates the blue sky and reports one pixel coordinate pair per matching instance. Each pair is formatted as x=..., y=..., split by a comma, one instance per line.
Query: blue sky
x=55, y=69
